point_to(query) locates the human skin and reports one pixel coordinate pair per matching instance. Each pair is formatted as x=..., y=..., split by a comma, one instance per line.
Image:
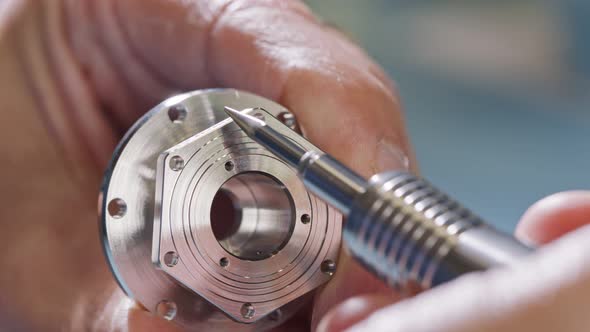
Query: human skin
x=77, y=73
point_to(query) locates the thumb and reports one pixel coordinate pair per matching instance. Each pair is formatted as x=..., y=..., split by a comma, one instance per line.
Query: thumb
x=554, y=216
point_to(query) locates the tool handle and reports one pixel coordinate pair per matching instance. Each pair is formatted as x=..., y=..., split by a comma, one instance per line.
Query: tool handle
x=405, y=230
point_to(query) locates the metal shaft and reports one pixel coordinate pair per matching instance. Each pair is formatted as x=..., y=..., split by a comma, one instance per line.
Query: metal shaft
x=398, y=225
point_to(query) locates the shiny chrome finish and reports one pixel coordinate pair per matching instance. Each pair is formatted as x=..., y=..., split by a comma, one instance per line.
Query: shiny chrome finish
x=204, y=227
x=320, y=172
x=408, y=231
x=398, y=225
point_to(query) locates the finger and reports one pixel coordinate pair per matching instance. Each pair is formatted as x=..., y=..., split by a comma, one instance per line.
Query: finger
x=554, y=216
x=549, y=291
x=350, y=281
x=136, y=52
x=354, y=310
x=277, y=49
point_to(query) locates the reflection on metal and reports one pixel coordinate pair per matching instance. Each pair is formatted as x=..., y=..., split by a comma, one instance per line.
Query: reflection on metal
x=398, y=225
x=205, y=227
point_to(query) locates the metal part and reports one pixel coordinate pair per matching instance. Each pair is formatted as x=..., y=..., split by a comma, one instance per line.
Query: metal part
x=203, y=226
x=398, y=225
x=325, y=176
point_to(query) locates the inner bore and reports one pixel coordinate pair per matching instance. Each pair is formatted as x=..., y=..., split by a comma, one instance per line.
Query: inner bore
x=252, y=216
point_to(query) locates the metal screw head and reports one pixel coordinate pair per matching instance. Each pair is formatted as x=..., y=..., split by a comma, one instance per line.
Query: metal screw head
x=171, y=258
x=176, y=163
x=247, y=310
x=287, y=119
x=328, y=267
x=166, y=309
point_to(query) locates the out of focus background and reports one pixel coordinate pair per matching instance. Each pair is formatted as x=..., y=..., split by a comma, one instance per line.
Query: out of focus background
x=496, y=93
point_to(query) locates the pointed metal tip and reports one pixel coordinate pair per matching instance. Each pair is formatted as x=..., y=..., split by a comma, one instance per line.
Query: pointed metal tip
x=263, y=133
x=232, y=112
x=229, y=110
x=247, y=122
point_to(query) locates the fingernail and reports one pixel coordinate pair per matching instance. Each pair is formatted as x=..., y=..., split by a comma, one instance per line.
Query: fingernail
x=390, y=157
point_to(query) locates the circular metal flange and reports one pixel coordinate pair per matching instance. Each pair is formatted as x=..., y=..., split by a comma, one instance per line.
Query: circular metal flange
x=163, y=201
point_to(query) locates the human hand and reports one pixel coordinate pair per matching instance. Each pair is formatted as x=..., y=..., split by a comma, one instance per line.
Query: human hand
x=77, y=73
x=549, y=291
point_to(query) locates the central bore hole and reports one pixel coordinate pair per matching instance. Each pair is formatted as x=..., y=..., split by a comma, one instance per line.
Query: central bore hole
x=252, y=216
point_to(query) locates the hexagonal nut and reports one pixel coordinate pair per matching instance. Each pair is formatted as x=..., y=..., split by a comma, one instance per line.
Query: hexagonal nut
x=236, y=225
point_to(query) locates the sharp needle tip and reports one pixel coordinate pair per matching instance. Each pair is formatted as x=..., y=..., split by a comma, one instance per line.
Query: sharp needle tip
x=247, y=122
x=230, y=110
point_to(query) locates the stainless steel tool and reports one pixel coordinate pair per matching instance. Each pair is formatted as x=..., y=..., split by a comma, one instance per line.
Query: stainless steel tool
x=203, y=226
x=398, y=225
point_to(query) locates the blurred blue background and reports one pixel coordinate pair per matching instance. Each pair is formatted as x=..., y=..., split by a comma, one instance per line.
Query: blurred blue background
x=495, y=92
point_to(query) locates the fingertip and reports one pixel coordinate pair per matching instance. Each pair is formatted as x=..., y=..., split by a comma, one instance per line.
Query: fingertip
x=353, y=311
x=554, y=216
x=350, y=280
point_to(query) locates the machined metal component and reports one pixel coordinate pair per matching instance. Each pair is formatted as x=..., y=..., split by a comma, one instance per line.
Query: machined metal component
x=398, y=225
x=203, y=226
x=418, y=234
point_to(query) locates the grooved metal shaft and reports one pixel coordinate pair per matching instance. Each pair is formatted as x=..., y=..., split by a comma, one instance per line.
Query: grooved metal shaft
x=398, y=225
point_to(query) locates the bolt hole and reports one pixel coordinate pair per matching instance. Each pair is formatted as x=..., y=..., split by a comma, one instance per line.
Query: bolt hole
x=229, y=165
x=117, y=208
x=176, y=163
x=171, y=259
x=259, y=116
x=306, y=219
x=224, y=262
x=177, y=113
x=328, y=267
x=166, y=309
x=247, y=310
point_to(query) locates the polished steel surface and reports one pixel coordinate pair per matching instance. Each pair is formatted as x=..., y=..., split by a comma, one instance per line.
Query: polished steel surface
x=318, y=170
x=398, y=225
x=330, y=180
x=252, y=216
x=204, y=227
